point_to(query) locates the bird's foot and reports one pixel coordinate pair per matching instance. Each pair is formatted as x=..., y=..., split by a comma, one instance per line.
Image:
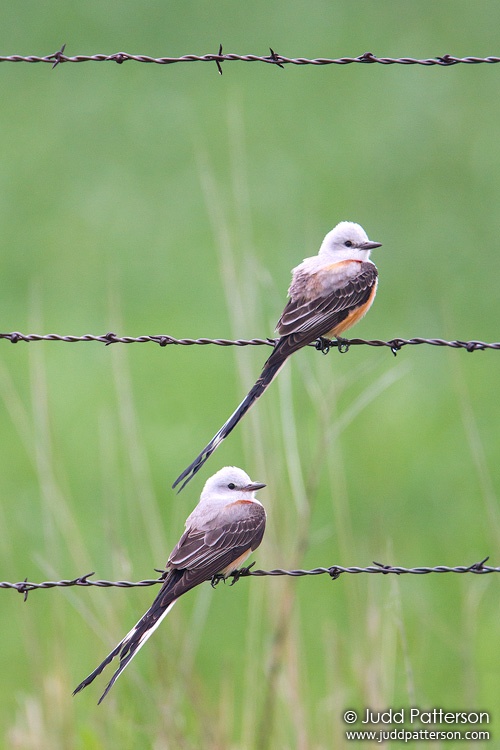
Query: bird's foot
x=342, y=345
x=217, y=578
x=323, y=345
x=241, y=572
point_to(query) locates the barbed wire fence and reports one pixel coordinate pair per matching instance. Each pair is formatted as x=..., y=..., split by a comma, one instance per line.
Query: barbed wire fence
x=273, y=58
x=334, y=571
x=395, y=344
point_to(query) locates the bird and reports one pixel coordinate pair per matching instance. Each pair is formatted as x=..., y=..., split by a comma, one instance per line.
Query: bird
x=328, y=294
x=226, y=526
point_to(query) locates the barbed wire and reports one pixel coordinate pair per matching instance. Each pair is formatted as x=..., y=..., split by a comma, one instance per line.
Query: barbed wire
x=334, y=571
x=164, y=340
x=367, y=58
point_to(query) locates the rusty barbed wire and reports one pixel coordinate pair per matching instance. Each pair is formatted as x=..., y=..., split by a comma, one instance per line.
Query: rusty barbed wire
x=165, y=340
x=334, y=571
x=273, y=58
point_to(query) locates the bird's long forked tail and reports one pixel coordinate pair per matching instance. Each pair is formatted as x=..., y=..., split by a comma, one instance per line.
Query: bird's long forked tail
x=271, y=368
x=134, y=640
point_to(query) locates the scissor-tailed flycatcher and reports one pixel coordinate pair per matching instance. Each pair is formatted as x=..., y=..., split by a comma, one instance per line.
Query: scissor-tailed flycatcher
x=328, y=294
x=226, y=526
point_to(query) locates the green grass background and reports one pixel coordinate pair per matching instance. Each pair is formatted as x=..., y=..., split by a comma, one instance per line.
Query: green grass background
x=146, y=199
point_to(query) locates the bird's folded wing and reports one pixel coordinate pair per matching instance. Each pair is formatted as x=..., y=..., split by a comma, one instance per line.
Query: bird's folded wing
x=311, y=318
x=203, y=554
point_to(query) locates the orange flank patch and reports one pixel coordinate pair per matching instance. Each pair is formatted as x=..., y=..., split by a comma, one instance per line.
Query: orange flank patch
x=354, y=315
x=339, y=264
x=236, y=563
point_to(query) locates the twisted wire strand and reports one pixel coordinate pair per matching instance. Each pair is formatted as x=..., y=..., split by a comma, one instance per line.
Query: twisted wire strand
x=165, y=340
x=367, y=58
x=334, y=571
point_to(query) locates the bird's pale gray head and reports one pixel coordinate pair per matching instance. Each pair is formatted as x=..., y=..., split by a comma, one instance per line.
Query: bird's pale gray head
x=230, y=481
x=348, y=241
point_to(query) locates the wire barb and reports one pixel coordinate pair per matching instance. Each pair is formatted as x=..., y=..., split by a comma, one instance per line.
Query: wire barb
x=57, y=56
x=218, y=60
x=273, y=57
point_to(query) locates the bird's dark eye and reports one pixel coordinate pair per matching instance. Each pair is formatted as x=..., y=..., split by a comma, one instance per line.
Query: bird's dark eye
x=348, y=243
x=231, y=486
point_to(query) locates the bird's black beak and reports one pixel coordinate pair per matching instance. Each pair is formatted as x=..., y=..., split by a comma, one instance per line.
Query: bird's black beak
x=370, y=245
x=253, y=486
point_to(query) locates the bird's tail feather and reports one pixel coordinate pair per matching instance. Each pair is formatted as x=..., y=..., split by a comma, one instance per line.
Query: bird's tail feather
x=271, y=368
x=137, y=637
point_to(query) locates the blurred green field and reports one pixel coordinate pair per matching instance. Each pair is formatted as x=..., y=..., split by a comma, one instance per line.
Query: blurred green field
x=149, y=199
